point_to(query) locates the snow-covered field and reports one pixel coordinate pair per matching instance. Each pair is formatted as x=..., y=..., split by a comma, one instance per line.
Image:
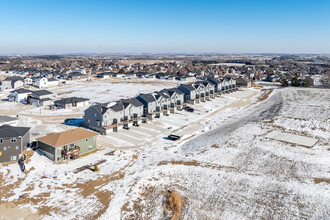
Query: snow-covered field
x=109, y=90
x=223, y=166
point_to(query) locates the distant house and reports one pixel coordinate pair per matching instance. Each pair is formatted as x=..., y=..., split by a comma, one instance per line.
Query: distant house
x=7, y=120
x=71, y=102
x=16, y=82
x=242, y=82
x=67, y=144
x=161, y=75
x=186, y=78
x=5, y=85
x=76, y=76
x=52, y=82
x=13, y=141
x=27, y=81
x=41, y=98
x=105, y=75
x=19, y=95
x=40, y=82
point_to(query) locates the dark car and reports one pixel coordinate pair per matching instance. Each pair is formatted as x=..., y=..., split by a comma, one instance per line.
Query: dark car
x=189, y=109
x=173, y=137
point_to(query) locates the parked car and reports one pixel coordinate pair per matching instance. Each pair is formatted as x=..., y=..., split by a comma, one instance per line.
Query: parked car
x=173, y=137
x=189, y=109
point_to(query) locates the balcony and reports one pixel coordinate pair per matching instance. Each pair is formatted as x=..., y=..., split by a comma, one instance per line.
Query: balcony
x=72, y=151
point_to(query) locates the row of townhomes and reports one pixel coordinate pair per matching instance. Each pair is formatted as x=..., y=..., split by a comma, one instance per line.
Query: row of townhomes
x=106, y=117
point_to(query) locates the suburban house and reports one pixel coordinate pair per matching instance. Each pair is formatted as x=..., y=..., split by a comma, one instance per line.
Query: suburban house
x=40, y=82
x=52, y=82
x=19, y=95
x=67, y=144
x=13, y=141
x=16, y=82
x=105, y=75
x=41, y=98
x=7, y=120
x=186, y=78
x=243, y=82
x=27, y=81
x=189, y=92
x=71, y=102
x=5, y=85
x=77, y=76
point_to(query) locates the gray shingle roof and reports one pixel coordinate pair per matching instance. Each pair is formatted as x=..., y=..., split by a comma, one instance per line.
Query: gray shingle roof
x=10, y=131
x=22, y=90
x=42, y=92
x=70, y=100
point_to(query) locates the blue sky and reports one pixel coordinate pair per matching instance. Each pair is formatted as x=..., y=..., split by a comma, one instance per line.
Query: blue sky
x=236, y=26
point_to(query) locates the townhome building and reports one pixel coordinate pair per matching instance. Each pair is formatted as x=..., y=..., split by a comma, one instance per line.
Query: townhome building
x=189, y=91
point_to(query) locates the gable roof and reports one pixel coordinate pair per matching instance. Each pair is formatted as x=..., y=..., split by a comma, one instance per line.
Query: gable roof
x=147, y=97
x=11, y=131
x=22, y=91
x=70, y=100
x=5, y=118
x=42, y=92
x=67, y=137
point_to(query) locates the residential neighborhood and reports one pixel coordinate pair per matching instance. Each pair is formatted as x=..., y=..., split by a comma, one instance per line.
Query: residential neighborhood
x=115, y=136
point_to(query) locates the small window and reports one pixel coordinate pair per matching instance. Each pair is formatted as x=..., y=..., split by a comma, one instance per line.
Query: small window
x=0, y=140
x=5, y=148
x=86, y=140
x=17, y=147
x=13, y=140
x=13, y=158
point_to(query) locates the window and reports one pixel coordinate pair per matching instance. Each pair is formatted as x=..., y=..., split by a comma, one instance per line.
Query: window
x=17, y=147
x=89, y=147
x=13, y=140
x=89, y=120
x=4, y=148
x=0, y=140
x=13, y=158
x=86, y=140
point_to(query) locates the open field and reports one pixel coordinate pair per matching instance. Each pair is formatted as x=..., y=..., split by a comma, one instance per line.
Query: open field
x=223, y=166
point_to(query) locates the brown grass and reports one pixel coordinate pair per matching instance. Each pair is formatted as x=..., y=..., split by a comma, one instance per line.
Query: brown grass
x=265, y=95
x=174, y=203
x=321, y=180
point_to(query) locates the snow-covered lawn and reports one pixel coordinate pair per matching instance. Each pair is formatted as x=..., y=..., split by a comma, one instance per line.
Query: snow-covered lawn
x=223, y=166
